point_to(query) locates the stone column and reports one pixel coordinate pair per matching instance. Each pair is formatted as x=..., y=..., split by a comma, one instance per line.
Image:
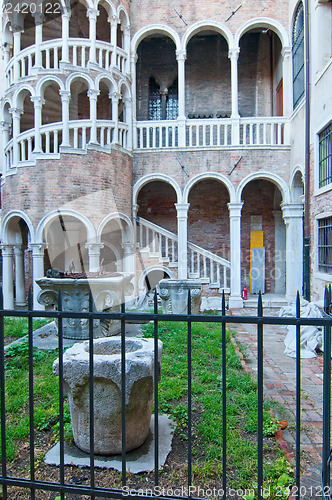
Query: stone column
x=128, y=257
x=181, y=58
x=126, y=48
x=234, y=56
x=65, y=37
x=293, y=216
x=133, y=61
x=38, y=103
x=16, y=51
x=115, y=115
x=114, y=26
x=93, y=95
x=128, y=120
x=92, y=14
x=37, y=269
x=235, y=299
x=6, y=50
x=7, y=276
x=94, y=255
x=5, y=128
x=65, y=98
x=287, y=88
x=38, y=39
x=182, y=215
x=16, y=114
x=19, y=276
x=280, y=253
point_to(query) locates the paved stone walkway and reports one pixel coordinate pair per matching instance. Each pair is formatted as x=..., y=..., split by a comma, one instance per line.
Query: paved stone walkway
x=280, y=386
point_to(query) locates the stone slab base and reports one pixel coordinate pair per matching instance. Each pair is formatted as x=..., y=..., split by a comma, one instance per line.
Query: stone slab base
x=139, y=460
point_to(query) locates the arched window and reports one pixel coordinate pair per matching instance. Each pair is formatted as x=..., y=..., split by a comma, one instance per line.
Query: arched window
x=298, y=55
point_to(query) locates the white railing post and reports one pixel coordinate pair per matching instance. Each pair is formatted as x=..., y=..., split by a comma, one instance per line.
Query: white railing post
x=235, y=299
x=182, y=216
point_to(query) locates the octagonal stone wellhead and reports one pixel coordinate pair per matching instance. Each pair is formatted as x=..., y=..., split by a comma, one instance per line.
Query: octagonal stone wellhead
x=107, y=293
x=139, y=379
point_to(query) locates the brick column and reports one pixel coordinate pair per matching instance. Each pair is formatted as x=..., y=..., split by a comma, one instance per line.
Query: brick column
x=182, y=215
x=235, y=299
x=7, y=276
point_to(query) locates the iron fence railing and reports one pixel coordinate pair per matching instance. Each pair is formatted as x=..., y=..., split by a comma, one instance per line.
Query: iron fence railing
x=64, y=489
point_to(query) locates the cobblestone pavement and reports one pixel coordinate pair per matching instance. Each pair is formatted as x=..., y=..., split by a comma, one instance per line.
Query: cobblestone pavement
x=279, y=385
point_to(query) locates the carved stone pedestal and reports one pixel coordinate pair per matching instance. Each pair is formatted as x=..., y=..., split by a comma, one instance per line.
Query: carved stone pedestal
x=174, y=296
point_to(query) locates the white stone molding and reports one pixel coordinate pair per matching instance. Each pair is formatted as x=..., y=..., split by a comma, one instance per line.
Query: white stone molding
x=209, y=24
x=151, y=29
x=267, y=176
x=208, y=176
x=263, y=22
x=54, y=214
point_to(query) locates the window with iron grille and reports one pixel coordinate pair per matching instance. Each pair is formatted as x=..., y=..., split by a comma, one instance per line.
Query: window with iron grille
x=325, y=156
x=156, y=111
x=325, y=245
x=298, y=55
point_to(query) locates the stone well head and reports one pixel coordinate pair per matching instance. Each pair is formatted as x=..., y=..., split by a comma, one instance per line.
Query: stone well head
x=107, y=384
x=107, y=292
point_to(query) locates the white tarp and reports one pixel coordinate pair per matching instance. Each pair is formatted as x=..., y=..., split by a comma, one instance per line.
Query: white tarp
x=311, y=336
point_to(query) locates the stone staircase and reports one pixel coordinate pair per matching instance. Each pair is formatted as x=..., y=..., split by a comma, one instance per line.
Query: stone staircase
x=160, y=246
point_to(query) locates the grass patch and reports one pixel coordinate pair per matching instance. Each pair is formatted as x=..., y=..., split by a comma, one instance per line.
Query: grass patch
x=207, y=414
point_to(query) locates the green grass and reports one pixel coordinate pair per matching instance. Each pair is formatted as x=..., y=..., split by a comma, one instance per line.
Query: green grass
x=18, y=327
x=241, y=412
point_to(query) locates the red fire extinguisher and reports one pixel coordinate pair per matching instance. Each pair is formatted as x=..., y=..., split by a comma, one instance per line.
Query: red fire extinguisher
x=244, y=293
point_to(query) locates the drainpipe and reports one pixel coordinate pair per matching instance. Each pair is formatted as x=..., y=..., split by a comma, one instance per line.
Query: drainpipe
x=306, y=242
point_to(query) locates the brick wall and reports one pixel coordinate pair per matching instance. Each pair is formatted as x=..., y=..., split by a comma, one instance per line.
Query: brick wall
x=94, y=184
x=156, y=204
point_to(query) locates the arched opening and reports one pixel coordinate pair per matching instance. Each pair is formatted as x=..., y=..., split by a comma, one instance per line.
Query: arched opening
x=79, y=107
x=18, y=235
x=79, y=22
x=104, y=102
x=298, y=188
x=153, y=277
x=156, y=203
x=260, y=74
x=66, y=237
x=115, y=255
x=263, y=239
x=156, y=79
x=28, y=33
x=208, y=76
x=27, y=121
x=51, y=111
x=52, y=22
x=103, y=25
x=208, y=218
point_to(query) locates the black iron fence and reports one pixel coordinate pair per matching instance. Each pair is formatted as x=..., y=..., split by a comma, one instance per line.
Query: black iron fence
x=66, y=490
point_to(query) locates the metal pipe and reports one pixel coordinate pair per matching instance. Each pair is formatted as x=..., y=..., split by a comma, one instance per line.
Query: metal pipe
x=306, y=242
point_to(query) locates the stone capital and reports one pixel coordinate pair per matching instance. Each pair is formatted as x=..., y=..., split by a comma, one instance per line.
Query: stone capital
x=37, y=249
x=133, y=57
x=235, y=209
x=181, y=55
x=286, y=52
x=291, y=211
x=115, y=96
x=38, y=101
x=234, y=53
x=113, y=20
x=7, y=250
x=182, y=210
x=93, y=94
x=94, y=248
x=92, y=14
x=65, y=95
x=16, y=112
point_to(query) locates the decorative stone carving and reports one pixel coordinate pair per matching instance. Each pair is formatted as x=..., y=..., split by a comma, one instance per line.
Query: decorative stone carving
x=174, y=296
x=107, y=295
x=139, y=378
